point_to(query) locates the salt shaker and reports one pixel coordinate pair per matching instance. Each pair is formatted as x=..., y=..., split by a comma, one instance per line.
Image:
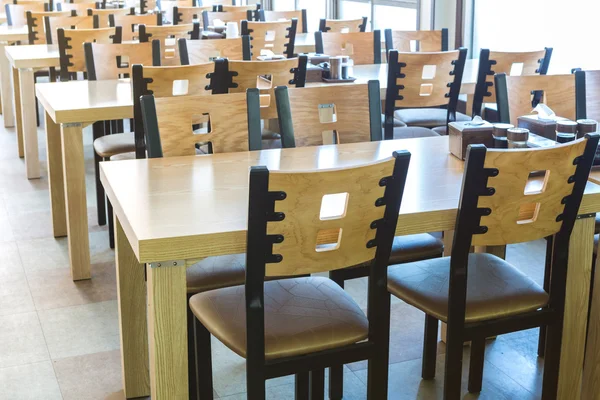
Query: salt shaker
x=517, y=138
x=499, y=134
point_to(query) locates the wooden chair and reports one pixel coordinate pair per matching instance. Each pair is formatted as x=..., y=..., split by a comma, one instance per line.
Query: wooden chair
x=425, y=88
x=203, y=51
x=80, y=8
x=495, y=62
x=343, y=25
x=309, y=117
x=188, y=15
x=562, y=93
x=277, y=37
x=130, y=23
x=234, y=8
x=480, y=295
x=426, y=41
x=104, y=14
x=16, y=13
x=592, y=100
x=266, y=76
x=167, y=35
x=35, y=25
x=72, y=21
x=208, y=17
x=273, y=16
x=289, y=242
x=361, y=47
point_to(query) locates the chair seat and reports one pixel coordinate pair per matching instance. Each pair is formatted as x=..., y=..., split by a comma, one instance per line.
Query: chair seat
x=397, y=123
x=109, y=145
x=271, y=144
x=302, y=315
x=415, y=247
x=412, y=132
x=426, y=117
x=495, y=288
x=216, y=272
x=123, y=156
x=441, y=130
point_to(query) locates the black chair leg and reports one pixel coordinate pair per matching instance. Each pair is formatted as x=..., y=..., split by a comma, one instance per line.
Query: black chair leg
x=111, y=228
x=37, y=112
x=192, y=366
x=98, y=131
x=453, y=367
x=547, y=271
x=552, y=360
x=476, y=364
x=336, y=372
x=203, y=361
x=317, y=384
x=429, y=347
x=378, y=366
x=301, y=386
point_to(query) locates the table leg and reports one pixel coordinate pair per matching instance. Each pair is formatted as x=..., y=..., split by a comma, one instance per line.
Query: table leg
x=133, y=325
x=167, y=330
x=6, y=88
x=591, y=367
x=74, y=180
x=55, y=177
x=28, y=123
x=576, y=308
x=16, y=85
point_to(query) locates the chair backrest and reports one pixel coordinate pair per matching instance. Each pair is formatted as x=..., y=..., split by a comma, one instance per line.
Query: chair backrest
x=515, y=95
x=208, y=17
x=232, y=8
x=53, y=23
x=407, y=41
x=496, y=62
x=272, y=16
x=114, y=61
x=361, y=47
x=278, y=37
x=80, y=8
x=147, y=5
x=70, y=46
x=35, y=25
x=343, y=25
x=130, y=23
x=420, y=80
x=203, y=51
x=16, y=13
x=104, y=14
x=592, y=98
x=189, y=80
x=234, y=123
x=187, y=15
x=266, y=76
x=168, y=35
x=288, y=206
x=314, y=116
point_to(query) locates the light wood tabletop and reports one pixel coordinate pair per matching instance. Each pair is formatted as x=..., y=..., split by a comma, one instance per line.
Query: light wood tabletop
x=171, y=212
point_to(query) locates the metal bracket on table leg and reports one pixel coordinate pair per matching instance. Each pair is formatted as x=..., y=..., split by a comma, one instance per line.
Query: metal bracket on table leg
x=171, y=263
x=582, y=216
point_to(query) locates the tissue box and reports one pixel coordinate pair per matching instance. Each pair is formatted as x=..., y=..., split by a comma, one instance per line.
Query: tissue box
x=539, y=141
x=314, y=73
x=462, y=134
x=544, y=127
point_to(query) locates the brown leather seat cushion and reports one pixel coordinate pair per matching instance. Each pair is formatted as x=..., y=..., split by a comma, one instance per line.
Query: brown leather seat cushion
x=495, y=288
x=216, y=272
x=123, y=156
x=109, y=145
x=412, y=132
x=302, y=315
x=415, y=247
x=397, y=123
x=426, y=117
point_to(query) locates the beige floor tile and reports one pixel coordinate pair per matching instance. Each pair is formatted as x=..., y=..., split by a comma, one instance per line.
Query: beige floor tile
x=31, y=225
x=29, y=382
x=15, y=296
x=90, y=377
x=23, y=203
x=22, y=340
x=54, y=288
x=6, y=233
x=79, y=330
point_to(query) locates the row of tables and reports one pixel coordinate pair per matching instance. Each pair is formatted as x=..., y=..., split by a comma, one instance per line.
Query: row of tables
x=172, y=212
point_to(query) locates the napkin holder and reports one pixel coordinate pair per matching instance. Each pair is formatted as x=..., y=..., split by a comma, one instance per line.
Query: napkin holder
x=462, y=134
x=540, y=126
x=537, y=141
x=315, y=73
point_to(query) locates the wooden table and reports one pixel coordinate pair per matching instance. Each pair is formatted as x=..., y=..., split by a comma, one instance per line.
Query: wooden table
x=172, y=212
x=24, y=60
x=8, y=35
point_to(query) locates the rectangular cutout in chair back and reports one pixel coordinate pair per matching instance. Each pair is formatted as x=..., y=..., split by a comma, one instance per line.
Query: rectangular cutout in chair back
x=537, y=183
x=327, y=113
x=528, y=213
x=428, y=72
x=516, y=69
x=270, y=36
x=333, y=206
x=201, y=124
x=345, y=30
x=426, y=89
x=180, y=87
x=414, y=45
x=328, y=240
x=537, y=97
x=347, y=49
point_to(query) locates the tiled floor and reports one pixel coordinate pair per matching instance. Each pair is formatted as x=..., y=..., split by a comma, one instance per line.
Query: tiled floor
x=60, y=339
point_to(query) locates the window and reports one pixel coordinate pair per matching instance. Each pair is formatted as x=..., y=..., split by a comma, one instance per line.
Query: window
x=382, y=14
